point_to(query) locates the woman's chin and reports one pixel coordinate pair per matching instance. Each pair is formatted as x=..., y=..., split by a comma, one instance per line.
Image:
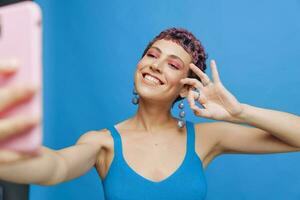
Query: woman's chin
x=150, y=89
x=149, y=93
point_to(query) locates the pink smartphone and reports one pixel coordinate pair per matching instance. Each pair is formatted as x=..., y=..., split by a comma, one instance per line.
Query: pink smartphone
x=21, y=39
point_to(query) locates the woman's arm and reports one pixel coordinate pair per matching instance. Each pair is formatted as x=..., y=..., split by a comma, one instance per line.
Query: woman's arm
x=50, y=167
x=282, y=125
x=273, y=131
x=53, y=167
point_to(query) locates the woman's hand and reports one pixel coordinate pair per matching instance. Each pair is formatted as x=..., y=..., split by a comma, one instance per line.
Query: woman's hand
x=10, y=97
x=218, y=103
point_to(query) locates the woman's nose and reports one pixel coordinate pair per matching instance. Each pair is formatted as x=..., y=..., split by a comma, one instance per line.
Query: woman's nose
x=155, y=66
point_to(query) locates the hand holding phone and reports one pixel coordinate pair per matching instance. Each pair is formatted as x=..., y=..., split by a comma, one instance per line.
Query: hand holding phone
x=10, y=97
x=20, y=72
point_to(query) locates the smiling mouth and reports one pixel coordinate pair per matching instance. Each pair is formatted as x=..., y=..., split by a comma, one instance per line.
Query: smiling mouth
x=151, y=79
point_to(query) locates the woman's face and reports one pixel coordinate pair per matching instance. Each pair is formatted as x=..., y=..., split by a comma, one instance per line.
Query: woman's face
x=159, y=72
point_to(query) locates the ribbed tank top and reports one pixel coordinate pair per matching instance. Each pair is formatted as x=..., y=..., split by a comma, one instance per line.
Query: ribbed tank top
x=188, y=182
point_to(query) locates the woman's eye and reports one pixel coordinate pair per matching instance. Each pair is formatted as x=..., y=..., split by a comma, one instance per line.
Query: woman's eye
x=151, y=55
x=173, y=66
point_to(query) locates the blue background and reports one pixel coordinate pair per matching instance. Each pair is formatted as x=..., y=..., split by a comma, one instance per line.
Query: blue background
x=91, y=49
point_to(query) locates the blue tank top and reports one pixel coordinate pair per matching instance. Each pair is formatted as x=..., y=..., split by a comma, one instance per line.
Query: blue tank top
x=188, y=182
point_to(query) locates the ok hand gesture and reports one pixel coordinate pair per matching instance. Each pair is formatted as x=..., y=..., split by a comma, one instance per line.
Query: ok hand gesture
x=217, y=102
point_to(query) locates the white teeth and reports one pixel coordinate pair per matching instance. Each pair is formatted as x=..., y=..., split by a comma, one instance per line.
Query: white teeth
x=152, y=79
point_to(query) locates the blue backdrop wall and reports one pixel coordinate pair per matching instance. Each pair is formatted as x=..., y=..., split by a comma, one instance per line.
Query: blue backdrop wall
x=91, y=49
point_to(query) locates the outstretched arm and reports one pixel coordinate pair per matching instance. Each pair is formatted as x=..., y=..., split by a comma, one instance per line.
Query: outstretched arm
x=50, y=167
x=53, y=167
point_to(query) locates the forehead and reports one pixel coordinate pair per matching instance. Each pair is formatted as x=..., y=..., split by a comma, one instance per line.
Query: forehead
x=169, y=47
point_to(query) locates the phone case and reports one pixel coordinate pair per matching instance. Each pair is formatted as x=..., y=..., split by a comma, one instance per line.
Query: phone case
x=20, y=38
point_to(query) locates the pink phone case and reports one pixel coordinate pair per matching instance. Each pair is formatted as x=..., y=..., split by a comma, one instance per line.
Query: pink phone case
x=20, y=39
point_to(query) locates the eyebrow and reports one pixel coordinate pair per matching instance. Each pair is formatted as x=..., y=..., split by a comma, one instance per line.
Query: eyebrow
x=173, y=56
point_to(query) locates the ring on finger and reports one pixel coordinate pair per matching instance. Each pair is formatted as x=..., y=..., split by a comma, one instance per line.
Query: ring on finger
x=207, y=83
x=198, y=93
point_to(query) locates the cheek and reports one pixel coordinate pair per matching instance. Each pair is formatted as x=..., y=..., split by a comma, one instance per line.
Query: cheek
x=141, y=64
x=175, y=76
x=174, y=79
x=139, y=67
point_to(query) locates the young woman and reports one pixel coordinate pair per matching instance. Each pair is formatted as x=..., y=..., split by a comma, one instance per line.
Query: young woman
x=154, y=155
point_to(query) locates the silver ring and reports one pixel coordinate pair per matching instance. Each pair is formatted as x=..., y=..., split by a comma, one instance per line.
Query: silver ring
x=205, y=84
x=198, y=92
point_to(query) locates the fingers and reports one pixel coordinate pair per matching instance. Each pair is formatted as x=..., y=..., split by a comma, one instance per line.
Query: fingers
x=201, y=112
x=200, y=97
x=8, y=67
x=14, y=95
x=204, y=78
x=9, y=156
x=214, y=71
x=191, y=98
x=17, y=125
x=192, y=82
x=196, y=96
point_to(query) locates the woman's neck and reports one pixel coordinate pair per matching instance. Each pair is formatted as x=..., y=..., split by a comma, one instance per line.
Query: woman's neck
x=152, y=116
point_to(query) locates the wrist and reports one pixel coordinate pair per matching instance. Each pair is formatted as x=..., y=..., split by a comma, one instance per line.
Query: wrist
x=241, y=116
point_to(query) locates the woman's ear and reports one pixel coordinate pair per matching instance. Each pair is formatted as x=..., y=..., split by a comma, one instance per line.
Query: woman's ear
x=184, y=91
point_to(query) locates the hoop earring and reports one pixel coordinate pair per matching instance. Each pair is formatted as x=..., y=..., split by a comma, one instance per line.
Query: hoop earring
x=135, y=99
x=181, y=121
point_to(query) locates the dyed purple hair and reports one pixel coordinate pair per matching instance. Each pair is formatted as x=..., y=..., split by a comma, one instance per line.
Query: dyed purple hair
x=190, y=44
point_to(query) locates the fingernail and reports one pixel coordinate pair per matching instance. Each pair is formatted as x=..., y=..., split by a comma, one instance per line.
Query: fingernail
x=13, y=63
x=8, y=67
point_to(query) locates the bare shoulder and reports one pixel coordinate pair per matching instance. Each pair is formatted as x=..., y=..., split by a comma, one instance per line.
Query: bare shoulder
x=207, y=136
x=213, y=131
x=209, y=131
x=101, y=138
